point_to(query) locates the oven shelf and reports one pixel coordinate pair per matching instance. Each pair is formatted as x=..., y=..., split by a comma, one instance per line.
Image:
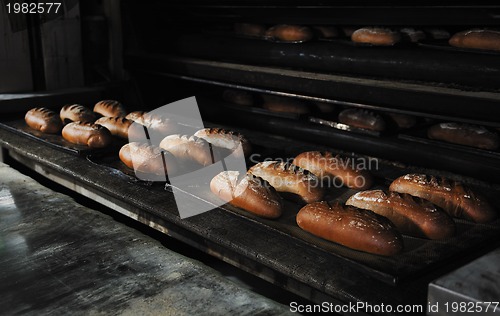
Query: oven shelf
x=376, y=94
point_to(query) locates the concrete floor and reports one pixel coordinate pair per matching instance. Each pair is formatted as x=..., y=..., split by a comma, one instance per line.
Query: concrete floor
x=58, y=257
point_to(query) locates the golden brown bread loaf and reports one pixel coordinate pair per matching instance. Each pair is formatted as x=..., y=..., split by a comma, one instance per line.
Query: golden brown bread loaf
x=118, y=126
x=411, y=215
x=43, y=120
x=189, y=149
x=88, y=134
x=111, y=108
x=376, y=36
x=248, y=192
x=477, y=39
x=76, y=113
x=352, y=227
x=288, y=178
x=455, y=198
x=329, y=167
x=362, y=119
x=464, y=134
x=290, y=33
x=147, y=159
x=227, y=139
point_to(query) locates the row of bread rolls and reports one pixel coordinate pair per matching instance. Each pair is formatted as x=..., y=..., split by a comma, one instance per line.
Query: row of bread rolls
x=477, y=38
x=358, y=118
x=304, y=180
x=371, y=221
x=301, y=33
x=78, y=124
x=457, y=133
x=181, y=153
x=174, y=153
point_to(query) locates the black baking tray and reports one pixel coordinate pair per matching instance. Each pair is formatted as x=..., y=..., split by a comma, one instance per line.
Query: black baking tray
x=56, y=140
x=420, y=255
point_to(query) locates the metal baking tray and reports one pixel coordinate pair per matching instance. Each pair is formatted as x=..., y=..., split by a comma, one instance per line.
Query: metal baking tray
x=420, y=255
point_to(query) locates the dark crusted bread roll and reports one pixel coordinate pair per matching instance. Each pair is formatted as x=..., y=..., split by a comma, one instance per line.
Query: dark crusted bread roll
x=251, y=193
x=76, y=113
x=285, y=177
x=111, y=108
x=464, y=134
x=118, y=126
x=290, y=33
x=329, y=167
x=352, y=227
x=43, y=120
x=88, y=134
x=455, y=198
x=284, y=105
x=362, y=119
x=477, y=39
x=411, y=215
x=376, y=36
x=147, y=159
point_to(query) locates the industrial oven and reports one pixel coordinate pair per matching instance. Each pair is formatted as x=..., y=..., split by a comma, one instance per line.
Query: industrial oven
x=150, y=53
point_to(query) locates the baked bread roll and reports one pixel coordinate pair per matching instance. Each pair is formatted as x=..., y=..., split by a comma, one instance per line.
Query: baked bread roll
x=411, y=215
x=250, y=29
x=88, y=134
x=329, y=167
x=111, y=108
x=290, y=33
x=76, y=113
x=189, y=149
x=238, y=97
x=251, y=193
x=43, y=120
x=284, y=105
x=227, y=139
x=376, y=36
x=288, y=178
x=118, y=126
x=464, y=134
x=455, y=198
x=351, y=227
x=148, y=160
x=403, y=120
x=362, y=119
x=477, y=39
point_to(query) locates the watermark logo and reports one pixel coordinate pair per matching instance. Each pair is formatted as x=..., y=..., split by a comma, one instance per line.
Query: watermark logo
x=189, y=179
